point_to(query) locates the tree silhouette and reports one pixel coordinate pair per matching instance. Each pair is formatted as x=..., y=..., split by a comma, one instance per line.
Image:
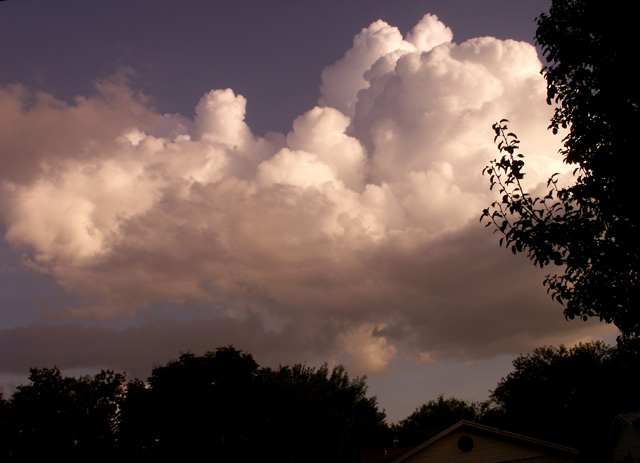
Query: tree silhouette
x=223, y=405
x=569, y=395
x=316, y=415
x=57, y=416
x=590, y=228
x=194, y=405
x=433, y=417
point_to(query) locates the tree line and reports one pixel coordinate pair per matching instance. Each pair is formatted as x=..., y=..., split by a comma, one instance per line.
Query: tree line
x=222, y=404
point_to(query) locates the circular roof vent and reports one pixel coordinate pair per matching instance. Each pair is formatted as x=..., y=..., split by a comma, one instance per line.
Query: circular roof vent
x=465, y=443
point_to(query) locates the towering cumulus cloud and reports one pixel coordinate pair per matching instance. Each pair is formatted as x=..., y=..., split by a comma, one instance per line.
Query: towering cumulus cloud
x=356, y=234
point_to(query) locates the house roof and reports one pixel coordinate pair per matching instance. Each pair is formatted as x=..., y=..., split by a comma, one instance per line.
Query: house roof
x=503, y=436
x=630, y=419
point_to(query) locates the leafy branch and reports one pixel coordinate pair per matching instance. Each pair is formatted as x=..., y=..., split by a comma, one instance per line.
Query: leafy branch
x=591, y=227
x=525, y=222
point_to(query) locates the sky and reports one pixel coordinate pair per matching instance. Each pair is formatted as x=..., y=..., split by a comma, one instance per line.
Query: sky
x=301, y=180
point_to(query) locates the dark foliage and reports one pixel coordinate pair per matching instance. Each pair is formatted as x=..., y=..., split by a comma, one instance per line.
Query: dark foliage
x=221, y=404
x=56, y=416
x=5, y=429
x=317, y=415
x=590, y=227
x=569, y=395
x=193, y=405
x=433, y=417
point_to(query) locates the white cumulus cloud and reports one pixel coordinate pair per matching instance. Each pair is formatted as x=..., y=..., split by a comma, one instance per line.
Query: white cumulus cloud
x=359, y=228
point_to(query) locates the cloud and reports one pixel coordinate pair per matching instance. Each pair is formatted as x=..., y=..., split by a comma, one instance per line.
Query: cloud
x=136, y=349
x=378, y=45
x=355, y=233
x=370, y=353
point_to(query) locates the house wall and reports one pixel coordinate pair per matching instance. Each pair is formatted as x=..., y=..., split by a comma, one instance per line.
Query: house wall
x=486, y=449
x=627, y=444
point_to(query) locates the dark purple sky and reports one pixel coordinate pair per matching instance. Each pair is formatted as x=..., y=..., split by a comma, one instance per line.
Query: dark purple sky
x=270, y=52
x=145, y=214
